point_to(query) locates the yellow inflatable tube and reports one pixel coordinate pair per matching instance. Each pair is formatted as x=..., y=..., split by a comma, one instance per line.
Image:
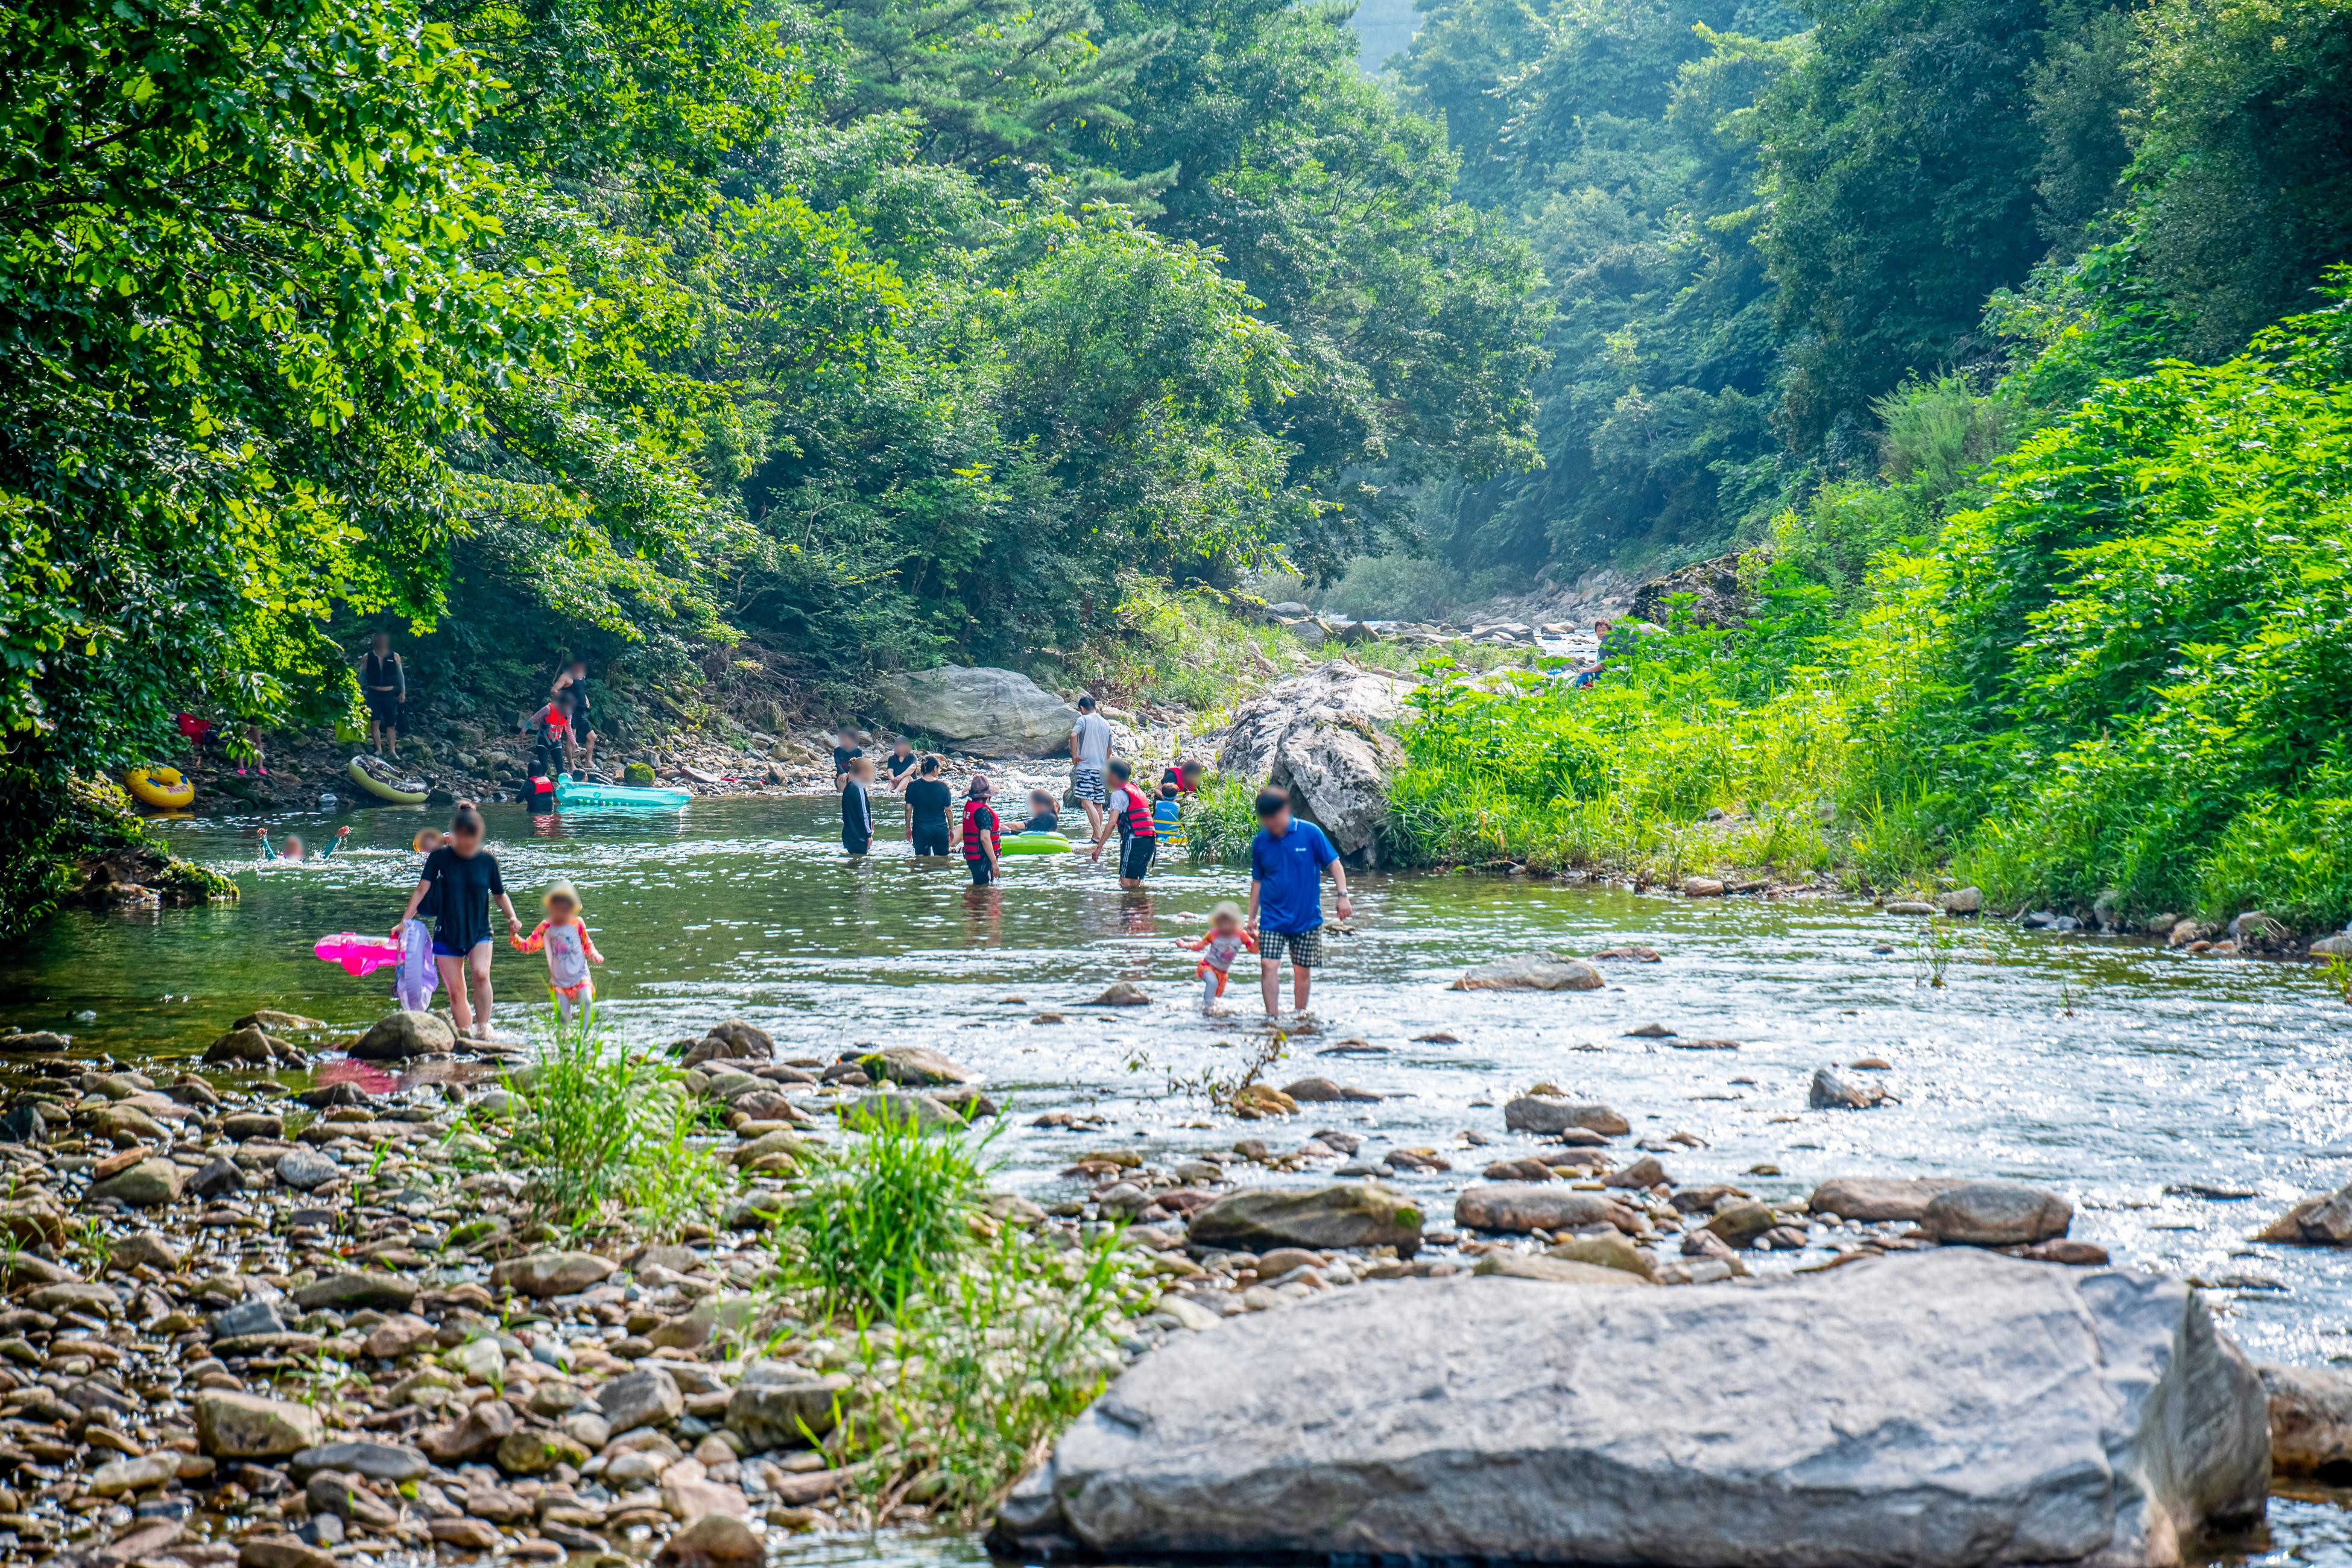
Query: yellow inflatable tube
x=164, y=788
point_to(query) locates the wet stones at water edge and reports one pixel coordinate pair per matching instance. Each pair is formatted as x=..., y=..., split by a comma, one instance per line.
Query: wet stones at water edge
x=1834, y=1091
x=1714, y=1412
x=400, y=1036
x=1533, y=972
x=731, y=1039
x=2321, y=1221
x=1356, y=1214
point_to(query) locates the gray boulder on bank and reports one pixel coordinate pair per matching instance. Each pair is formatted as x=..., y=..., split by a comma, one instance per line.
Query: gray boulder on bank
x=1834, y=1090
x=1996, y=1214
x=402, y=1035
x=1941, y=1410
x=1532, y=971
x=2311, y=1418
x=987, y=712
x=2323, y=1220
x=1879, y=1197
x=1322, y=735
x=1356, y=1214
x=1547, y=1113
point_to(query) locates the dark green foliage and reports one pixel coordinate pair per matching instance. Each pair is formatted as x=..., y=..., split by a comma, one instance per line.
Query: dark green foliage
x=1618, y=141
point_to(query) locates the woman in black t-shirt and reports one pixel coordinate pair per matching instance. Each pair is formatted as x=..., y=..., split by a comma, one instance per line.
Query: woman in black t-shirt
x=462, y=878
x=929, y=800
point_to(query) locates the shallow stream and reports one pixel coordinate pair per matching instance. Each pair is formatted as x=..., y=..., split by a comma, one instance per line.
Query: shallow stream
x=2143, y=1084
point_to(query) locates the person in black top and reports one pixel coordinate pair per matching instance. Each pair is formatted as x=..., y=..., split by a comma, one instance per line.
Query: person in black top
x=1045, y=813
x=898, y=764
x=846, y=751
x=857, y=808
x=383, y=683
x=551, y=736
x=462, y=878
x=574, y=678
x=929, y=800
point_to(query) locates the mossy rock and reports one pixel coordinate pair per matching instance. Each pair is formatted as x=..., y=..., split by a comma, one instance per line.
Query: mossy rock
x=640, y=773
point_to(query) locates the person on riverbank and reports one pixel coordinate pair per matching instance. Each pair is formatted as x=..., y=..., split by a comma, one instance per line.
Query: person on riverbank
x=1224, y=941
x=981, y=836
x=570, y=951
x=1045, y=813
x=898, y=767
x=573, y=679
x=1167, y=812
x=857, y=806
x=463, y=878
x=929, y=801
x=1089, y=763
x=254, y=752
x=1185, y=775
x=552, y=738
x=384, y=687
x=1286, y=897
x=1131, y=810
x=294, y=849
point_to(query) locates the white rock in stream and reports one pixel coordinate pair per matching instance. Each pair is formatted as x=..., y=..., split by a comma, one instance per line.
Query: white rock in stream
x=1948, y=1408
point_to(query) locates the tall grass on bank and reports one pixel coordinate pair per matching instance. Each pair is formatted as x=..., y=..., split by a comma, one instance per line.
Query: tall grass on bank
x=1618, y=777
x=973, y=1342
x=603, y=1140
x=2115, y=668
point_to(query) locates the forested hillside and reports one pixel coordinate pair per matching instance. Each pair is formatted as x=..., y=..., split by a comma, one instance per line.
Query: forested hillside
x=1762, y=223
x=2009, y=339
x=762, y=343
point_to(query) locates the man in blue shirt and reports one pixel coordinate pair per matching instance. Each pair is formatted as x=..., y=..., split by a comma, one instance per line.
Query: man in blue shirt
x=1286, y=897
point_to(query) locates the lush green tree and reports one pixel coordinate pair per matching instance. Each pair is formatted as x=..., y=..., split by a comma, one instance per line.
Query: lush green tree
x=243, y=316
x=1622, y=150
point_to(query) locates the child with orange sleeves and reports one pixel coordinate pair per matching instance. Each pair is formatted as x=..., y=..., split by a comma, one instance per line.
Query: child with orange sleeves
x=1224, y=941
x=569, y=951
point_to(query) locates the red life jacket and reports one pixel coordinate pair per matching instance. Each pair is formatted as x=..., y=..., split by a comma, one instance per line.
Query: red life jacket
x=973, y=830
x=1139, y=813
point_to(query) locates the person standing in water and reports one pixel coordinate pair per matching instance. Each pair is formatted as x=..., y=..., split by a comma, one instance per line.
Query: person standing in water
x=384, y=684
x=465, y=879
x=1089, y=759
x=929, y=801
x=1130, y=809
x=857, y=806
x=1286, y=897
x=982, y=837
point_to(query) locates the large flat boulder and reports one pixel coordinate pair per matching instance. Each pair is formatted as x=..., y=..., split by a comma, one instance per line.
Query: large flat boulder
x=1532, y=971
x=987, y=712
x=1349, y=1213
x=1323, y=736
x=1880, y=1197
x=1947, y=1409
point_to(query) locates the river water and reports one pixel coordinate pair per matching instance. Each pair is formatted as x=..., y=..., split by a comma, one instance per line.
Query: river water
x=2143, y=1084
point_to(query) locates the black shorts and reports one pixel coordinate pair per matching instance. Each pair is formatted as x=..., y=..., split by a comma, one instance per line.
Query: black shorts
x=982, y=873
x=383, y=706
x=1135, y=859
x=855, y=846
x=930, y=840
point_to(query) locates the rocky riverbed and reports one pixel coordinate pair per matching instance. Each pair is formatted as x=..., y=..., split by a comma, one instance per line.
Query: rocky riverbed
x=288, y=1330
x=1658, y=1117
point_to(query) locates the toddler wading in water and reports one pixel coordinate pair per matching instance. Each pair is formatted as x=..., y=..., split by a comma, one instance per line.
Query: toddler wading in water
x=569, y=953
x=1224, y=941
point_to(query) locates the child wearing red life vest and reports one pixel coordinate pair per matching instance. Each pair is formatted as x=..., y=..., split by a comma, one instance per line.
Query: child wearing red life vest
x=569, y=951
x=980, y=834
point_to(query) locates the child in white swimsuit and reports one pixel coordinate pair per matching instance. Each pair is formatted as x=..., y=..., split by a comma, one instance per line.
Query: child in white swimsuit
x=569, y=951
x=1224, y=941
